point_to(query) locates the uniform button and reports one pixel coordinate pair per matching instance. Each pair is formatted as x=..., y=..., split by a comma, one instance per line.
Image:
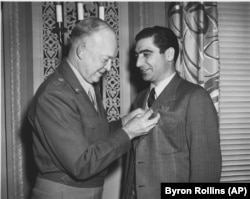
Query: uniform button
x=61, y=79
x=77, y=90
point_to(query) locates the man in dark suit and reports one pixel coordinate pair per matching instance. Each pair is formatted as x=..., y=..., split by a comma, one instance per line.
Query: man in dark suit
x=185, y=145
x=72, y=140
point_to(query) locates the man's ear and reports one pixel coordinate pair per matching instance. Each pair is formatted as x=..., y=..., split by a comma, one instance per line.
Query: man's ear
x=80, y=50
x=169, y=53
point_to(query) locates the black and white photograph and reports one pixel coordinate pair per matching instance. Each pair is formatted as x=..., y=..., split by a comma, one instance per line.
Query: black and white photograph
x=125, y=99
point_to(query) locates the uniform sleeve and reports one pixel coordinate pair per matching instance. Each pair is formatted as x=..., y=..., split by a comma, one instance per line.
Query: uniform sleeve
x=114, y=126
x=203, y=135
x=61, y=132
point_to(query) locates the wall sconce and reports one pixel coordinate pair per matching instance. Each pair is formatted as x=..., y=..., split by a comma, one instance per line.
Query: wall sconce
x=60, y=29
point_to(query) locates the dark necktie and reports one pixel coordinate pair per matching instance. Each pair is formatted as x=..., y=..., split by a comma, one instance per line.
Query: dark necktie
x=151, y=97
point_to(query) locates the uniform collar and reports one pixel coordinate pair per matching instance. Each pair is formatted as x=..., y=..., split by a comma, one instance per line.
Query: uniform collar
x=85, y=85
x=67, y=73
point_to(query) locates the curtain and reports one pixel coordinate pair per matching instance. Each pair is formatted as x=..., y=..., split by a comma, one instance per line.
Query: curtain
x=196, y=27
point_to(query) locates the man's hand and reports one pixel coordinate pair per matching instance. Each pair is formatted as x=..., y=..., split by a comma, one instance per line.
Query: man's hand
x=131, y=115
x=141, y=123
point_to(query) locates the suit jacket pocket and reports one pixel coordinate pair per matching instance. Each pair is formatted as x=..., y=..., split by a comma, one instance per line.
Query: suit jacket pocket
x=169, y=135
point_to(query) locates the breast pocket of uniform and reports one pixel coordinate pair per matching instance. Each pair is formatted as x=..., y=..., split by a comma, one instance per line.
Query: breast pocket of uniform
x=169, y=133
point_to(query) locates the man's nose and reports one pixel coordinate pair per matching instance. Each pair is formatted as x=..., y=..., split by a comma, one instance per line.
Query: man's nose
x=139, y=61
x=108, y=65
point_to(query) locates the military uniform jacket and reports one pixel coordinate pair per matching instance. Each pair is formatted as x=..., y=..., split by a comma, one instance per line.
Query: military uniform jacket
x=183, y=147
x=73, y=143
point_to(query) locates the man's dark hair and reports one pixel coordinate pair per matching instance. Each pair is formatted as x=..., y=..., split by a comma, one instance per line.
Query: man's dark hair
x=164, y=38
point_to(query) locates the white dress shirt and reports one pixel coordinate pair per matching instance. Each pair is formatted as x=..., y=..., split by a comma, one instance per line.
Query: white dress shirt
x=161, y=86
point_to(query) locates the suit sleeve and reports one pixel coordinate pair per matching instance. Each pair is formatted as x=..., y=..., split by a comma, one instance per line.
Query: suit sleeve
x=59, y=127
x=203, y=135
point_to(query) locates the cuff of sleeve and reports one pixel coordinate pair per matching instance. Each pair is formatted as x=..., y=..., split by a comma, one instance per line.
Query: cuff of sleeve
x=123, y=140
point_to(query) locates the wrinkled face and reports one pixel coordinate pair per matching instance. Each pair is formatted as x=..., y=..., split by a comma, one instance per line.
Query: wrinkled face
x=152, y=64
x=99, y=50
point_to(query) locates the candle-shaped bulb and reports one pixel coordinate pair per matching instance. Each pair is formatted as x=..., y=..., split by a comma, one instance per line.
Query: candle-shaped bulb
x=59, y=13
x=101, y=12
x=80, y=11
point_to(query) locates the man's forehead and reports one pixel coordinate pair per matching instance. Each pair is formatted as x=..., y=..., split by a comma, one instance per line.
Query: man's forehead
x=145, y=44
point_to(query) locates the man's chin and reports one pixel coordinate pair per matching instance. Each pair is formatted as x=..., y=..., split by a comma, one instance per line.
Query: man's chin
x=96, y=79
x=145, y=77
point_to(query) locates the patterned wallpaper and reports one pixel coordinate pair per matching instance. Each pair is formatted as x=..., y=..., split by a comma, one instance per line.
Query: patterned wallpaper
x=52, y=50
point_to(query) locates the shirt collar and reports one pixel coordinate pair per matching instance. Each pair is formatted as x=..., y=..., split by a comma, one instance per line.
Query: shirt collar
x=86, y=86
x=160, y=87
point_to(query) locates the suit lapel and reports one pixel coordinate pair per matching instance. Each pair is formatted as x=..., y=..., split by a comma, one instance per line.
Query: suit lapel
x=142, y=99
x=168, y=94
